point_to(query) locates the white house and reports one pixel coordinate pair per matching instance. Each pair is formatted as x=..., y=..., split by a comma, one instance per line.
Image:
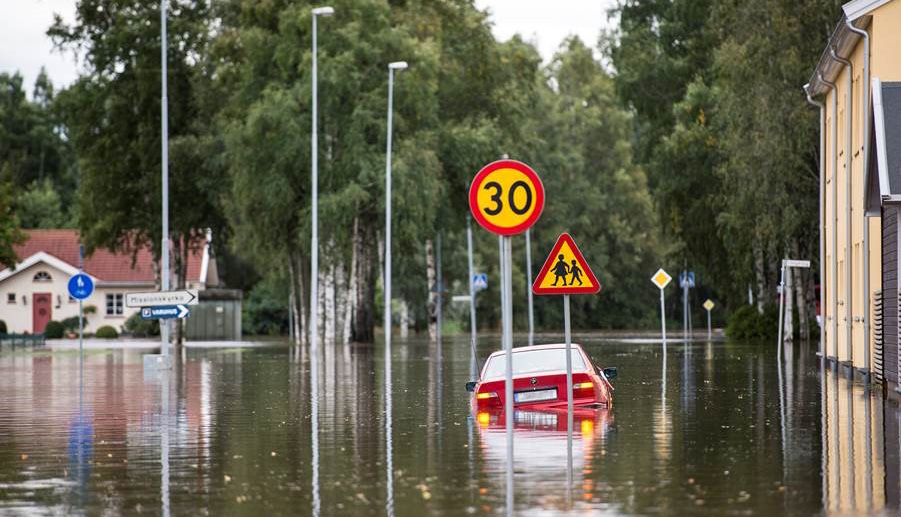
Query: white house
x=35, y=291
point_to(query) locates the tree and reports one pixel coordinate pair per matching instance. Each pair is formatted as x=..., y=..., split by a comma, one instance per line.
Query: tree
x=10, y=235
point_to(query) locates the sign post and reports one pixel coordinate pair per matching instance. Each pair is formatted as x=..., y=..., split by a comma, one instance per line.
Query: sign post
x=786, y=263
x=563, y=268
x=529, y=282
x=708, y=306
x=506, y=197
x=662, y=279
x=80, y=287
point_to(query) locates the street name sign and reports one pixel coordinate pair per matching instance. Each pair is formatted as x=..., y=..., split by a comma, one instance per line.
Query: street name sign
x=165, y=312
x=506, y=197
x=797, y=263
x=161, y=298
x=661, y=278
x=565, y=271
x=81, y=286
x=708, y=305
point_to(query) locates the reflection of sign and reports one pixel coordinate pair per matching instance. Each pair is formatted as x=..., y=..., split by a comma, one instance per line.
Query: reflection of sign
x=796, y=263
x=161, y=298
x=506, y=197
x=661, y=278
x=687, y=280
x=708, y=305
x=80, y=286
x=479, y=281
x=565, y=271
x=158, y=313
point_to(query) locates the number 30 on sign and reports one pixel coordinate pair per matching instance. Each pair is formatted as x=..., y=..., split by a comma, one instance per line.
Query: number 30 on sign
x=506, y=197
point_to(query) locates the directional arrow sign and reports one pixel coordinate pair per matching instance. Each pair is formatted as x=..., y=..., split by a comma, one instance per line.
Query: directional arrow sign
x=161, y=298
x=165, y=312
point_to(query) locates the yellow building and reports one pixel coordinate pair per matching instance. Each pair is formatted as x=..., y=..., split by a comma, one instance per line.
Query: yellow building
x=858, y=235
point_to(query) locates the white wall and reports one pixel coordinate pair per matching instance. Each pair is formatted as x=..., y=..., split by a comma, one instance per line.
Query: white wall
x=18, y=316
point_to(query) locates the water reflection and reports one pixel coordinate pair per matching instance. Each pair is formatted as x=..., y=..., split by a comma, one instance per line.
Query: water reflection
x=362, y=430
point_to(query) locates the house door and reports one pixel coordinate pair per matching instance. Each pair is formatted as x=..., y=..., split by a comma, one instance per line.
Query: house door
x=41, y=311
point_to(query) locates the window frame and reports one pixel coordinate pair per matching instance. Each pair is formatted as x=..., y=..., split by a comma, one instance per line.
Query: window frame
x=116, y=301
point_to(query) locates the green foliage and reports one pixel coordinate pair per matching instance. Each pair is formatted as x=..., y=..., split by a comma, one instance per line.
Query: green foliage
x=70, y=324
x=106, y=332
x=136, y=326
x=747, y=324
x=54, y=330
x=10, y=234
x=40, y=206
x=265, y=310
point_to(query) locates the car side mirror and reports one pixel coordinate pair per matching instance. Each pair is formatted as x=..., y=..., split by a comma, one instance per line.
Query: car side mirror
x=610, y=373
x=471, y=386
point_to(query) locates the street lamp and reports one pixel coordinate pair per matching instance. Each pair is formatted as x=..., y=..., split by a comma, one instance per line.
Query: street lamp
x=397, y=65
x=314, y=243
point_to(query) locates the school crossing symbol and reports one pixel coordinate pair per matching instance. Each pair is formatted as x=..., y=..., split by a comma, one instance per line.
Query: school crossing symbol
x=565, y=271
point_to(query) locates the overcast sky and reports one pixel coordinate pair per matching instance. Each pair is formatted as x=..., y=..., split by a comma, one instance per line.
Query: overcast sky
x=24, y=47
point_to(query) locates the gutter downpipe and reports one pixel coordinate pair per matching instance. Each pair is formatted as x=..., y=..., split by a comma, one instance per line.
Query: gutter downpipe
x=849, y=121
x=822, y=228
x=864, y=131
x=834, y=275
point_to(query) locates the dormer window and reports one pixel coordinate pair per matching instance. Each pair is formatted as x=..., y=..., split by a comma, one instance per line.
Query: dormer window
x=42, y=276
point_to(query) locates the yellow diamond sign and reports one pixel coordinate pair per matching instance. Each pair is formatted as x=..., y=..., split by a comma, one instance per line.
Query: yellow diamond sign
x=708, y=305
x=661, y=278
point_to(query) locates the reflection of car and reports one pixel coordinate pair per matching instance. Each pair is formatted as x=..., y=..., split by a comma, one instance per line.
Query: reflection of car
x=539, y=380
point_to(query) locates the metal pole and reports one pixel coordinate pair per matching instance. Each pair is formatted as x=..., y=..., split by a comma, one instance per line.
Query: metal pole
x=164, y=253
x=833, y=283
x=822, y=229
x=387, y=279
x=849, y=121
x=781, y=305
x=472, y=303
x=685, y=304
x=567, y=337
x=314, y=238
x=529, y=286
x=81, y=307
x=708, y=326
x=663, y=319
x=439, y=287
x=508, y=348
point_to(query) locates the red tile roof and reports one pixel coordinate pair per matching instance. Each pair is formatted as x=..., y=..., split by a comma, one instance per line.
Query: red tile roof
x=103, y=264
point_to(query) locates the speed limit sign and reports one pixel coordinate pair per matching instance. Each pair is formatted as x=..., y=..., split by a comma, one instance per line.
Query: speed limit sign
x=506, y=197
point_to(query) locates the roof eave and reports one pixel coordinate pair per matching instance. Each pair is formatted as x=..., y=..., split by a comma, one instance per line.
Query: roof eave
x=844, y=40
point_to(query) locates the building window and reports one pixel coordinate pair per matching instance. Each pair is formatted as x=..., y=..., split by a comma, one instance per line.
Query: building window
x=11, y=298
x=114, y=304
x=43, y=276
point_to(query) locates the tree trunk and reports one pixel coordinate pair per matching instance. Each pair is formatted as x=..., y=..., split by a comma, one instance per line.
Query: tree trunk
x=331, y=313
x=789, y=330
x=351, y=296
x=365, y=246
x=431, y=276
x=404, y=319
x=759, y=274
x=296, y=301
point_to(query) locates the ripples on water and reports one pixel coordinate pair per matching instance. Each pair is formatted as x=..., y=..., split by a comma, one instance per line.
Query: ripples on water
x=710, y=435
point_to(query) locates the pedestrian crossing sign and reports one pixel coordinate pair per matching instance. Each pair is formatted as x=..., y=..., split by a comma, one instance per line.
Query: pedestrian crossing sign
x=565, y=271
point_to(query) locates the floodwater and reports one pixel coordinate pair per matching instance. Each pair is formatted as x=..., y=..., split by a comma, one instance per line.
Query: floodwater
x=701, y=431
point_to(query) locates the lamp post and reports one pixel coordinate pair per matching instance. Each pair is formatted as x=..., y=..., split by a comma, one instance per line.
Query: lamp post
x=397, y=65
x=314, y=242
x=164, y=115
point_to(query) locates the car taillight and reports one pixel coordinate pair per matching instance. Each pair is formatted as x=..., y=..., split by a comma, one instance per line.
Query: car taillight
x=486, y=395
x=583, y=386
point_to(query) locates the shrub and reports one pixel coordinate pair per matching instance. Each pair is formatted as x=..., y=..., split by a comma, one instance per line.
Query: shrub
x=265, y=311
x=106, y=332
x=2, y=327
x=54, y=330
x=747, y=324
x=70, y=324
x=136, y=326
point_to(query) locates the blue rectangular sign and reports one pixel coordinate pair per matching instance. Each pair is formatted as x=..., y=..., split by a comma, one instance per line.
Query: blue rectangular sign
x=164, y=312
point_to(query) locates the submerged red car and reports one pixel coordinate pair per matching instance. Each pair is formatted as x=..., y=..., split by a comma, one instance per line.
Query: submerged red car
x=539, y=380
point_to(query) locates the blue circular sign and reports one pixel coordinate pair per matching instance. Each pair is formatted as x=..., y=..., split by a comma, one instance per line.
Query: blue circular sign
x=81, y=286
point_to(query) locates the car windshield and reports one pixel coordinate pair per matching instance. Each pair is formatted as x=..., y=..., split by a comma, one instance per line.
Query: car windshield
x=534, y=361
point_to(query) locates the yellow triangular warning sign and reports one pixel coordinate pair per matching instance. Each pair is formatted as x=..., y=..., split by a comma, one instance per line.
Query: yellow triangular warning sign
x=565, y=271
